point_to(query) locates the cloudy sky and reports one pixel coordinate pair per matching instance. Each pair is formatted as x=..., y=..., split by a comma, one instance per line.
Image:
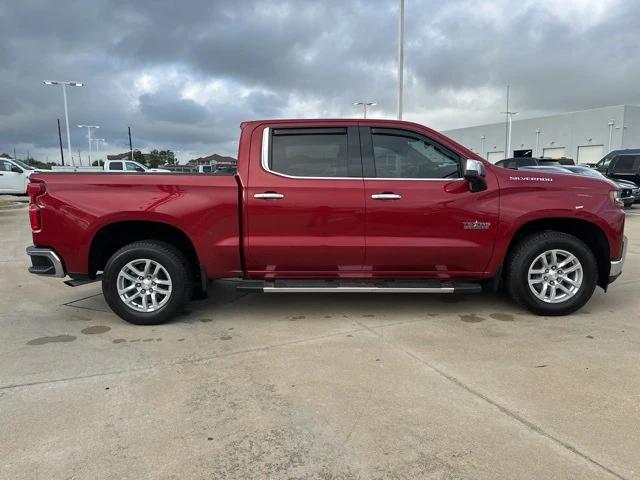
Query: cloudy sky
x=184, y=74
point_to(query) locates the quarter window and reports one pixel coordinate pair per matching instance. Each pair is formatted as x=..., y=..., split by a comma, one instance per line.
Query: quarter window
x=398, y=156
x=316, y=153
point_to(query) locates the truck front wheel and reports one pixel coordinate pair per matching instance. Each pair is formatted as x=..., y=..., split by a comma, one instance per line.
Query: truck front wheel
x=551, y=273
x=147, y=282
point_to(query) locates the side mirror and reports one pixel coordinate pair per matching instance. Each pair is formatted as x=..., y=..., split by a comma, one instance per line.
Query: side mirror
x=475, y=174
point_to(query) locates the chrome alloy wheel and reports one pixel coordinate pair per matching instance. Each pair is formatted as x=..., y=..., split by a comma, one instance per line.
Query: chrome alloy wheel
x=144, y=285
x=555, y=276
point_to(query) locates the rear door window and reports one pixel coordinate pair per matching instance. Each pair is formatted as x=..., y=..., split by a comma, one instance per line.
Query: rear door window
x=115, y=166
x=313, y=152
x=627, y=164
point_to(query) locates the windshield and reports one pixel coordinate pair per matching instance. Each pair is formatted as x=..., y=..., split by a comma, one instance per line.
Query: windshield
x=23, y=165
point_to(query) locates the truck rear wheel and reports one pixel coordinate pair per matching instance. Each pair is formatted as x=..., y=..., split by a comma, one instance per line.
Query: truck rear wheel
x=551, y=273
x=147, y=282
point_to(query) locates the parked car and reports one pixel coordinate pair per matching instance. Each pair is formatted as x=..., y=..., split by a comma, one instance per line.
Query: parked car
x=621, y=164
x=547, y=168
x=629, y=191
x=14, y=176
x=519, y=162
x=331, y=206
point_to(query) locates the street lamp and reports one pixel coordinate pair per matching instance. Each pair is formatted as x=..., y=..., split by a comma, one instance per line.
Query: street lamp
x=611, y=124
x=364, y=106
x=537, y=141
x=482, y=139
x=510, y=116
x=400, y=57
x=89, y=127
x=98, y=141
x=66, y=108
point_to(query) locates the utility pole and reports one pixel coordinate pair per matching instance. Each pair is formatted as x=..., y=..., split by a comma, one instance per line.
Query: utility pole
x=79, y=158
x=537, y=142
x=400, y=57
x=482, y=139
x=130, y=144
x=15, y=158
x=60, y=138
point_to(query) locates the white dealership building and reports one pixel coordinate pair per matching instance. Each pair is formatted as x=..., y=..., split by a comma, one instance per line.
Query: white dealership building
x=586, y=136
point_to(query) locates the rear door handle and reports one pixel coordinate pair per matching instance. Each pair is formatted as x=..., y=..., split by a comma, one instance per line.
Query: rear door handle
x=386, y=196
x=269, y=196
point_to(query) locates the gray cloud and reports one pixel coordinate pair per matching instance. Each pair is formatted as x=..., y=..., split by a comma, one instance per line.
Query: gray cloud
x=184, y=74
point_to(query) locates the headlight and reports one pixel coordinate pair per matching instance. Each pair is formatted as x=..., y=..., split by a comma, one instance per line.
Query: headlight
x=616, y=198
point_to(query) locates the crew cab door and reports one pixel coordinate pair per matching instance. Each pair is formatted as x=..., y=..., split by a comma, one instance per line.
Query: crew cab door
x=305, y=197
x=422, y=220
x=12, y=178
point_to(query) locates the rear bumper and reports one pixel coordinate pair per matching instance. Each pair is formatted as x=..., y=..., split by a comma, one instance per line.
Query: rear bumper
x=616, y=265
x=45, y=261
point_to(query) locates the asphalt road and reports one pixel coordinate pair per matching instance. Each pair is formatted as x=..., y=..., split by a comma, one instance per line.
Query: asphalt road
x=315, y=386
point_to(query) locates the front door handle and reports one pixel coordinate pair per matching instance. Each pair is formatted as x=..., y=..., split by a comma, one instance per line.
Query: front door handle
x=269, y=196
x=386, y=196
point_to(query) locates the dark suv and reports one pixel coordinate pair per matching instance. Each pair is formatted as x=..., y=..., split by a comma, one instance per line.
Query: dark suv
x=621, y=164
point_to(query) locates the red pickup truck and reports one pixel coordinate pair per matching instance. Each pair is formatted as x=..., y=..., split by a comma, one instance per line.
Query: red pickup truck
x=331, y=206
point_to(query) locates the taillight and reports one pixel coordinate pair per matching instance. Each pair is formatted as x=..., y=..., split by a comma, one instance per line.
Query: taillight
x=34, y=190
x=34, y=218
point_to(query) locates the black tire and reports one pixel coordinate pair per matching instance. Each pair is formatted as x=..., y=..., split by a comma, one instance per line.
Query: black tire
x=525, y=253
x=166, y=255
x=628, y=205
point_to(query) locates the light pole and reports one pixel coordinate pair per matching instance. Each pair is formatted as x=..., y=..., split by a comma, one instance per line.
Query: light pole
x=508, y=139
x=611, y=125
x=89, y=127
x=482, y=138
x=364, y=106
x=400, y=57
x=537, y=142
x=98, y=141
x=66, y=108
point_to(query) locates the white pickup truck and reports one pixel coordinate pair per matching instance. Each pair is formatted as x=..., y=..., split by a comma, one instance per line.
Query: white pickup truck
x=113, y=166
x=14, y=175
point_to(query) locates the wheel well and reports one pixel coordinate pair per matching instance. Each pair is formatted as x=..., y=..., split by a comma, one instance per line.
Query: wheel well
x=112, y=237
x=586, y=231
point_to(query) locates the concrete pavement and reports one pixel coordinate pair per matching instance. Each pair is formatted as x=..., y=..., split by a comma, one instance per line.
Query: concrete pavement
x=315, y=386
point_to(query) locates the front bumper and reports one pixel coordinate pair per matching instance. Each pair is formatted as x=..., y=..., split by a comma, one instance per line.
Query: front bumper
x=45, y=261
x=616, y=265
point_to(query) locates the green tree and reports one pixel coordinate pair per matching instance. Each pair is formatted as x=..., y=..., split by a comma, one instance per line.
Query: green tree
x=4, y=155
x=138, y=157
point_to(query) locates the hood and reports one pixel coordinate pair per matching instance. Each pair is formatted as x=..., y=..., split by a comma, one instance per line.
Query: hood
x=541, y=179
x=624, y=183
